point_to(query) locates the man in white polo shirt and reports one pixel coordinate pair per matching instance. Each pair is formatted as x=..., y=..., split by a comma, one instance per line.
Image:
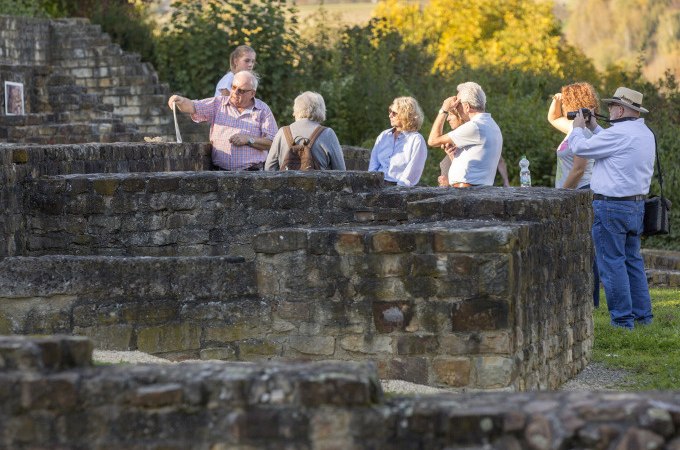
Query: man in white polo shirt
x=624, y=165
x=474, y=143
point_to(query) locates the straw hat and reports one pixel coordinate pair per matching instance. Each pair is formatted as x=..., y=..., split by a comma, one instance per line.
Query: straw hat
x=628, y=98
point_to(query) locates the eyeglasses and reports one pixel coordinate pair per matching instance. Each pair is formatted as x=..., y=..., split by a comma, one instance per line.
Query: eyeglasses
x=391, y=112
x=239, y=91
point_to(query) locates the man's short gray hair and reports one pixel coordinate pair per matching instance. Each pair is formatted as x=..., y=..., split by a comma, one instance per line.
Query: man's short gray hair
x=309, y=105
x=250, y=76
x=472, y=94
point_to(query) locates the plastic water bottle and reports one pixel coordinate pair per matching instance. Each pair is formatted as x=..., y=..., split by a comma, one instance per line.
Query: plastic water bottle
x=524, y=174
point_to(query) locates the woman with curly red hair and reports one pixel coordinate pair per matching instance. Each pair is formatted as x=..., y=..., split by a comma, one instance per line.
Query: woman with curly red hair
x=572, y=171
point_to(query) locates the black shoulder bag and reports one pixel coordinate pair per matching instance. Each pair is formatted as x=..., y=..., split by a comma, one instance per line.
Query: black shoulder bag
x=657, y=209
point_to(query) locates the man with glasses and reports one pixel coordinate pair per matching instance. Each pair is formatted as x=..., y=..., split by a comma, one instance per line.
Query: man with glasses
x=242, y=126
x=624, y=164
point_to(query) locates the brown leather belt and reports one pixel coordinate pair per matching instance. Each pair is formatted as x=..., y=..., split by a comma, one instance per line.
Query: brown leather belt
x=461, y=185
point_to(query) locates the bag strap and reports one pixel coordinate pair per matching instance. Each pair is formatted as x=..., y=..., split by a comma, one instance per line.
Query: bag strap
x=289, y=136
x=317, y=132
x=315, y=135
x=658, y=163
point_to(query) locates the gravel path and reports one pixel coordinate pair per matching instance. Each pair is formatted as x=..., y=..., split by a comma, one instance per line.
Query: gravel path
x=595, y=377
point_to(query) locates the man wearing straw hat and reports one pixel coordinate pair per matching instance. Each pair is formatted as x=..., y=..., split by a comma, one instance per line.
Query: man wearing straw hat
x=624, y=165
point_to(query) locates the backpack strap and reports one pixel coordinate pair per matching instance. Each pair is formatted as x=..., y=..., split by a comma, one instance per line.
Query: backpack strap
x=315, y=135
x=317, y=132
x=289, y=136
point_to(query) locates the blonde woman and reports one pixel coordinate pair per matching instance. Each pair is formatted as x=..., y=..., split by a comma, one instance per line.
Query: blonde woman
x=400, y=151
x=573, y=172
x=242, y=58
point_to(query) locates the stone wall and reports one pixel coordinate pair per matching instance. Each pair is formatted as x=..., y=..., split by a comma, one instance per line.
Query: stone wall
x=181, y=214
x=485, y=288
x=468, y=304
x=20, y=165
x=24, y=41
x=172, y=306
x=78, y=86
x=53, y=397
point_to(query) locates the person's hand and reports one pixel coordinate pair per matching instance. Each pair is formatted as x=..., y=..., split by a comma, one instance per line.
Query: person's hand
x=225, y=92
x=174, y=99
x=450, y=103
x=443, y=181
x=450, y=150
x=239, y=139
x=579, y=121
x=592, y=122
x=558, y=97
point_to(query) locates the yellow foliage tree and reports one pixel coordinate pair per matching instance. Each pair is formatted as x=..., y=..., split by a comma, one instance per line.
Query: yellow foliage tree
x=514, y=34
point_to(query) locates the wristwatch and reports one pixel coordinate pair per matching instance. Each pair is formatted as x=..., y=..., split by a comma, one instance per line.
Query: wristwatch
x=251, y=141
x=442, y=111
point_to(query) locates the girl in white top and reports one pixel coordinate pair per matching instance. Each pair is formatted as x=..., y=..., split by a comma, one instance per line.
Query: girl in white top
x=242, y=58
x=572, y=171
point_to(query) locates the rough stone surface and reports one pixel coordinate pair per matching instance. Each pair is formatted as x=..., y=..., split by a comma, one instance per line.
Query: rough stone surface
x=78, y=85
x=69, y=403
x=327, y=265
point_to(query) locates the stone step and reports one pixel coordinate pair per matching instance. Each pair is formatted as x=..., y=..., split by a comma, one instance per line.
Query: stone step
x=661, y=259
x=136, y=100
x=27, y=120
x=663, y=278
x=94, y=128
x=153, y=89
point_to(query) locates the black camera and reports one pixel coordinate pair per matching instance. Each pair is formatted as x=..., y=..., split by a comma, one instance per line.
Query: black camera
x=571, y=115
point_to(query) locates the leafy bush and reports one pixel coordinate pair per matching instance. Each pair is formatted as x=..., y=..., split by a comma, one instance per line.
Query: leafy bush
x=30, y=8
x=193, y=50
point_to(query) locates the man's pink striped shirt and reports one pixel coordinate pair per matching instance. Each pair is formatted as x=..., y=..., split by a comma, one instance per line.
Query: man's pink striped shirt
x=227, y=121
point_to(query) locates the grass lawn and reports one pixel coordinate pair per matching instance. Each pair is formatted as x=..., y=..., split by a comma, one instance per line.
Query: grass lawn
x=650, y=353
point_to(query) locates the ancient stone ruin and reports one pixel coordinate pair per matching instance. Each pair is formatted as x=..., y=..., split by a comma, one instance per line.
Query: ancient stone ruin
x=482, y=289
x=299, y=290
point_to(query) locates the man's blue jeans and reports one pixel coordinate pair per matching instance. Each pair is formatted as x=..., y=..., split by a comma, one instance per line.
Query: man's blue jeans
x=616, y=236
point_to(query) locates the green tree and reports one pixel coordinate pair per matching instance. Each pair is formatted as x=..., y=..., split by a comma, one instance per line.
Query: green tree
x=193, y=49
x=514, y=34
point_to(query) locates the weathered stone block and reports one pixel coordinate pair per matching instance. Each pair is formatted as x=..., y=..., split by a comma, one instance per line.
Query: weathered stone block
x=479, y=314
x=57, y=392
x=413, y=369
x=481, y=240
x=475, y=343
x=106, y=186
x=392, y=316
x=280, y=241
x=158, y=395
x=221, y=353
x=255, y=348
x=367, y=344
x=295, y=311
x=351, y=243
x=235, y=332
x=169, y=338
x=452, y=371
x=417, y=345
x=382, y=288
x=313, y=345
x=491, y=372
x=108, y=337
x=20, y=156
